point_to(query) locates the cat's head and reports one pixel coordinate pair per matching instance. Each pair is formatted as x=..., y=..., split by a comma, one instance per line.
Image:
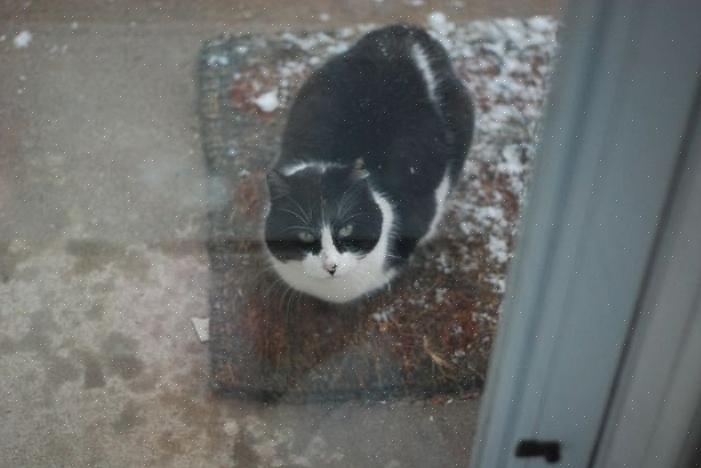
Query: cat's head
x=323, y=226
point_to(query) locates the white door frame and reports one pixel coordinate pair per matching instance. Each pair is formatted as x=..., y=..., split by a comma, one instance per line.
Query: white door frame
x=617, y=138
x=653, y=412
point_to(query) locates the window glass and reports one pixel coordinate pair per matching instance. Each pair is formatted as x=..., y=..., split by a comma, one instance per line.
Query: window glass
x=258, y=234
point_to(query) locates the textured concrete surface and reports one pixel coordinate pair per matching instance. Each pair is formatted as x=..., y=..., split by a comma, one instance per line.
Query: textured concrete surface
x=101, y=260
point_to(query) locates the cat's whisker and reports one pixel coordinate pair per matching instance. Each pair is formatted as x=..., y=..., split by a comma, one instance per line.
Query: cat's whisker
x=347, y=200
x=263, y=271
x=352, y=217
x=343, y=206
x=299, y=299
x=298, y=296
x=307, y=216
x=289, y=301
x=277, y=282
x=295, y=214
x=348, y=196
x=295, y=228
x=285, y=300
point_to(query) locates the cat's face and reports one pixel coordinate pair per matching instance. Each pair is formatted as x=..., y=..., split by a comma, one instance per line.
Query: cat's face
x=322, y=225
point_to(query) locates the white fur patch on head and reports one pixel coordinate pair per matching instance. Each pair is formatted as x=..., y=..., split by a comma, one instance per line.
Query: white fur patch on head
x=331, y=259
x=354, y=275
x=301, y=166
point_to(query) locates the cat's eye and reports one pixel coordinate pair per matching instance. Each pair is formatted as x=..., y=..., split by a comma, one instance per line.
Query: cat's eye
x=346, y=230
x=306, y=237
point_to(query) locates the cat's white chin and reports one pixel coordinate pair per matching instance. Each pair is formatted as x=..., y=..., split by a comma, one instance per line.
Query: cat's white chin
x=367, y=276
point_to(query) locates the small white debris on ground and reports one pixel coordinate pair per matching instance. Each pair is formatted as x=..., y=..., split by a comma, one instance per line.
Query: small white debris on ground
x=231, y=428
x=498, y=248
x=440, y=295
x=383, y=315
x=74, y=25
x=221, y=60
x=439, y=23
x=511, y=163
x=23, y=39
x=267, y=102
x=56, y=49
x=201, y=328
x=324, y=17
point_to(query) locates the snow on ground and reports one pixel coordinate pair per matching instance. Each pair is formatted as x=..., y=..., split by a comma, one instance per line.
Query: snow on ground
x=22, y=39
x=201, y=326
x=267, y=102
x=439, y=23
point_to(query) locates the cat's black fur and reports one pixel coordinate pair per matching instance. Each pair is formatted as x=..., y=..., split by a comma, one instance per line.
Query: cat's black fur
x=371, y=103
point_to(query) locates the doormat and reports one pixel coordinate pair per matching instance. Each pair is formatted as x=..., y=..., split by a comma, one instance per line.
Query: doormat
x=431, y=332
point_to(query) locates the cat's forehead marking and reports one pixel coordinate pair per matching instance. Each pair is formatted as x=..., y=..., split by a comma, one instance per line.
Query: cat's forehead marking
x=327, y=239
x=301, y=166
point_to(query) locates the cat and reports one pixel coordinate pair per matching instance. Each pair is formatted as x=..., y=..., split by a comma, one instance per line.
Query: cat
x=373, y=143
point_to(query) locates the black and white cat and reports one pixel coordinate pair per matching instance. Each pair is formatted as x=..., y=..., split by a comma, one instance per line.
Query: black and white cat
x=374, y=141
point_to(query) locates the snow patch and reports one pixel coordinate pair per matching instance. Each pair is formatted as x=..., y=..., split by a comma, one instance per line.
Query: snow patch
x=512, y=163
x=438, y=21
x=541, y=24
x=384, y=315
x=498, y=249
x=201, y=328
x=440, y=295
x=220, y=60
x=267, y=102
x=23, y=39
x=231, y=428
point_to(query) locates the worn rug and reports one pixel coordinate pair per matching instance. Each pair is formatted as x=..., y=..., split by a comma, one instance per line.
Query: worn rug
x=428, y=335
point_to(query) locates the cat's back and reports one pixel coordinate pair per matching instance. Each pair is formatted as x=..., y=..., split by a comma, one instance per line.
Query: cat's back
x=390, y=75
x=393, y=82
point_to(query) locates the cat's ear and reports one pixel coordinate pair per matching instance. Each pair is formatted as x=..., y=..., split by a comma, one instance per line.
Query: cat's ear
x=359, y=172
x=277, y=185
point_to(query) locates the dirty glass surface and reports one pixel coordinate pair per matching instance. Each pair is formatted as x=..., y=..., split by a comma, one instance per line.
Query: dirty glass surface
x=134, y=143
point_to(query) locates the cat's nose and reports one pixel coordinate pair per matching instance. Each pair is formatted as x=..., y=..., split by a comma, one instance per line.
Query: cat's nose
x=331, y=268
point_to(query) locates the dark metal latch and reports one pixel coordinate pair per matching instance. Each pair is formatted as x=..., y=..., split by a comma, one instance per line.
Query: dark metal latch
x=549, y=449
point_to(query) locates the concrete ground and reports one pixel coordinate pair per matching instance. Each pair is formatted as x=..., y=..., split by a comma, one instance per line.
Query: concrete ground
x=102, y=264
